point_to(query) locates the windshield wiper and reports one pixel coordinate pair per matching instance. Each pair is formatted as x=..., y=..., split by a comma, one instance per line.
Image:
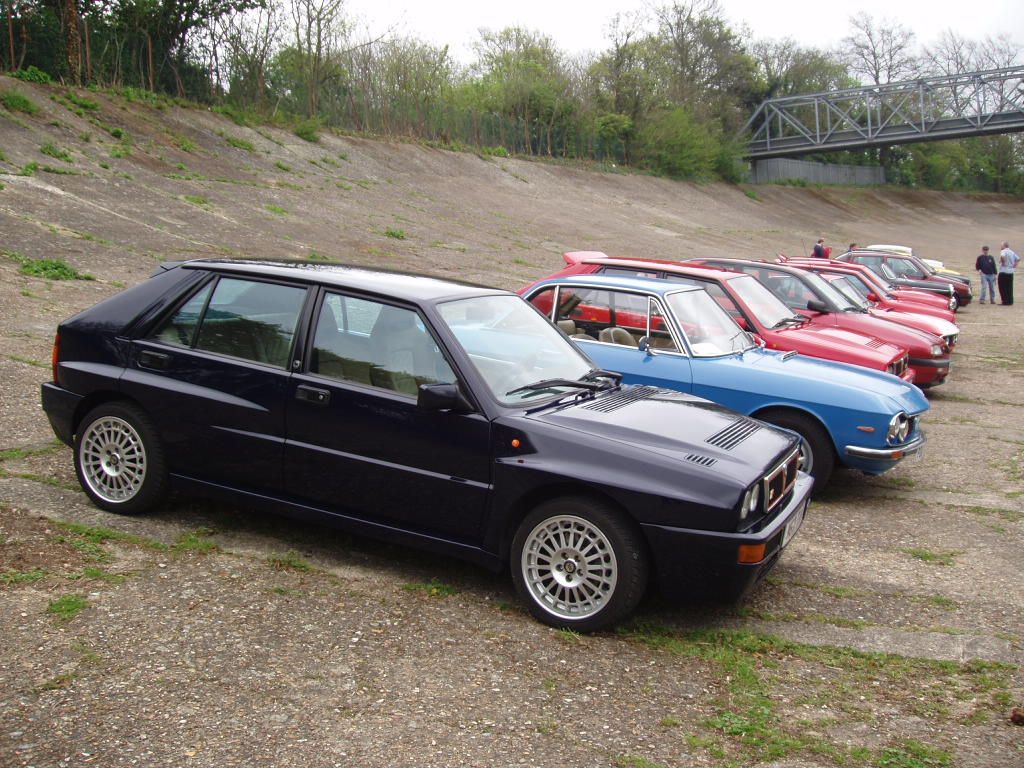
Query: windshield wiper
x=791, y=320
x=589, y=386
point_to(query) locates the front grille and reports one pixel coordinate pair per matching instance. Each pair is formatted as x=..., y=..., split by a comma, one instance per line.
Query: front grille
x=897, y=367
x=951, y=339
x=623, y=398
x=778, y=484
x=734, y=434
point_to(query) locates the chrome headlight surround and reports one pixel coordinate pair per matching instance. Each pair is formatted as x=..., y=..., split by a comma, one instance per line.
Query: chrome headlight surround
x=899, y=429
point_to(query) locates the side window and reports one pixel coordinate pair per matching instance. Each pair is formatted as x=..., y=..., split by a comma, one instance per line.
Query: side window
x=378, y=345
x=905, y=268
x=240, y=318
x=544, y=300
x=180, y=330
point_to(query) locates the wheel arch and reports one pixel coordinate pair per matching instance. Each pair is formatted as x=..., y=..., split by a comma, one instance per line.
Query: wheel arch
x=765, y=413
x=517, y=511
x=94, y=399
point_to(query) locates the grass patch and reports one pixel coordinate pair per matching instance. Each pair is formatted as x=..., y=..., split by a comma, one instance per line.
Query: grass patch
x=195, y=199
x=433, y=588
x=314, y=256
x=238, y=143
x=276, y=209
x=67, y=607
x=119, y=151
x=22, y=577
x=184, y=144
x=98, y=574
x=96, y=534
x=51, y=150
x=283, y=167
x=289, y=561
x=51, y=269
x=15, y=101
x=914, y=754
x=196, y=541
x=928, y=556
x=397, y=234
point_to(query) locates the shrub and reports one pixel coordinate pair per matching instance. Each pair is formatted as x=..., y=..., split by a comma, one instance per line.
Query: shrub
x=18, y=102
x=51, y=269
x=676, y=145
x=56, y=152
x=238, y=143
x=495, y=152
x=32, y=75
x=307, y=130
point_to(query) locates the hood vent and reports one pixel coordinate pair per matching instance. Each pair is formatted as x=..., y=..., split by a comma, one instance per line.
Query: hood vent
x=621, y=399
x=704, y=461
x=734, y=434
x=875, y=343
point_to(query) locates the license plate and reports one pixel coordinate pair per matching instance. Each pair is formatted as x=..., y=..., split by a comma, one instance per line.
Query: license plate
x=793, y=525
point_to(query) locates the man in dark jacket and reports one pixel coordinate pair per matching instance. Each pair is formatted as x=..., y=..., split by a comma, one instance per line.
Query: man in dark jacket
x=819, y=249
x=985, y=264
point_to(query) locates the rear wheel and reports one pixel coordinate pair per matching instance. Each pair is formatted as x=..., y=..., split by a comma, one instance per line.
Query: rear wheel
x=579, y=564
x=817, y=456
x=119, y=460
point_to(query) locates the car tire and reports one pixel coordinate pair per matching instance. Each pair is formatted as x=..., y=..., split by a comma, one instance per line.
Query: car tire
x=816, y=444
x=579, y=564
x=119, y=460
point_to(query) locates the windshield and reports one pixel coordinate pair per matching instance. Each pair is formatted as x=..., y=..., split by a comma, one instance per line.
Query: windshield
x=512, y=345
x=708, y=328
x=826, y=291
x=766, y=308
x=854, y=292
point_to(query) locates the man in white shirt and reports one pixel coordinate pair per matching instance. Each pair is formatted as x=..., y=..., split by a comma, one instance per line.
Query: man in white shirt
x=1007, y=264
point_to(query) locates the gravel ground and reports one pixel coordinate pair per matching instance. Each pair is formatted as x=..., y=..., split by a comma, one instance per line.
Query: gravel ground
x=890, y=634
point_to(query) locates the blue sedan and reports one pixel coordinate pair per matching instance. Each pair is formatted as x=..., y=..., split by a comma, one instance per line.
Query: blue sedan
x=678, y=337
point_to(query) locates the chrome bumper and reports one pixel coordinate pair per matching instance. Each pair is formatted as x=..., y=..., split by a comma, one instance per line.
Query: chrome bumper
x=887, y=454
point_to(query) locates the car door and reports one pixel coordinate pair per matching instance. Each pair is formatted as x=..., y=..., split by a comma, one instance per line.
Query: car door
x=213, y=376
x=358, y=443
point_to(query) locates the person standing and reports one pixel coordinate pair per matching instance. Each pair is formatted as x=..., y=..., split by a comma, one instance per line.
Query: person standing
x=985, y=264
x=819, y=249
x=1007, y=264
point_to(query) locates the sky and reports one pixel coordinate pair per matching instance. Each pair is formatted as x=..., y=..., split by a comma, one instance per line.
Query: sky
x=578, y=26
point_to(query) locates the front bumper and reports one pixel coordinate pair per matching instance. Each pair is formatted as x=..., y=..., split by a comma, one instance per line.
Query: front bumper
x=692, y=564
x=929, y=371
x=886, y=456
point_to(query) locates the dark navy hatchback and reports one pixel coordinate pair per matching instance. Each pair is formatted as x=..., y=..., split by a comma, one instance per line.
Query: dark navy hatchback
x=438, y=414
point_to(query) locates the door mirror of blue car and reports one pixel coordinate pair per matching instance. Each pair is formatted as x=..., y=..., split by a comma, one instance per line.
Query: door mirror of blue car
x=645, y=344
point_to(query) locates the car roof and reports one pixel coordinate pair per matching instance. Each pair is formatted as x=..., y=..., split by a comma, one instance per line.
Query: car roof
x=666, y=265
x=399, y=285
x=644, y=284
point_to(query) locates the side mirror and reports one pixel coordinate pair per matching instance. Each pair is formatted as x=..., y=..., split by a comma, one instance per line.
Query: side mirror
x=816, y=305
x=645, y=345
x=442, y=397
x=872, y=297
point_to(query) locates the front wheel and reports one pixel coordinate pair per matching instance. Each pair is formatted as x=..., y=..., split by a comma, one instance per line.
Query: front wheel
x=119, y=460
x=579, y=564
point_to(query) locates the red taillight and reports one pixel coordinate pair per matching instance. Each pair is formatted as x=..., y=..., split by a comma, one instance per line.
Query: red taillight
x=55, y=357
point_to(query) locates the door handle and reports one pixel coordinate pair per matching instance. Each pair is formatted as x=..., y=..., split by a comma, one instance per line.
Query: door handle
x=312, y=395
x=155, y=360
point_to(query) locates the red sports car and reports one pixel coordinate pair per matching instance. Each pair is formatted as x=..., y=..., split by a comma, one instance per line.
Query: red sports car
x=756, y=310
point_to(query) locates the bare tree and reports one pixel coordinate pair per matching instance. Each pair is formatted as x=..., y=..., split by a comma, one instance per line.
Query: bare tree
x=880, y=52
x=318, y=25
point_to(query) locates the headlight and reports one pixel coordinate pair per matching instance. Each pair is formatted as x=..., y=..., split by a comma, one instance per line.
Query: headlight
x=750, y=501
x=899, y=428
x=936, y=350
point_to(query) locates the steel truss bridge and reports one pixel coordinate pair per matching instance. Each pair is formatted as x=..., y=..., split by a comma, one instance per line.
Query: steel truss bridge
x=929, y=109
